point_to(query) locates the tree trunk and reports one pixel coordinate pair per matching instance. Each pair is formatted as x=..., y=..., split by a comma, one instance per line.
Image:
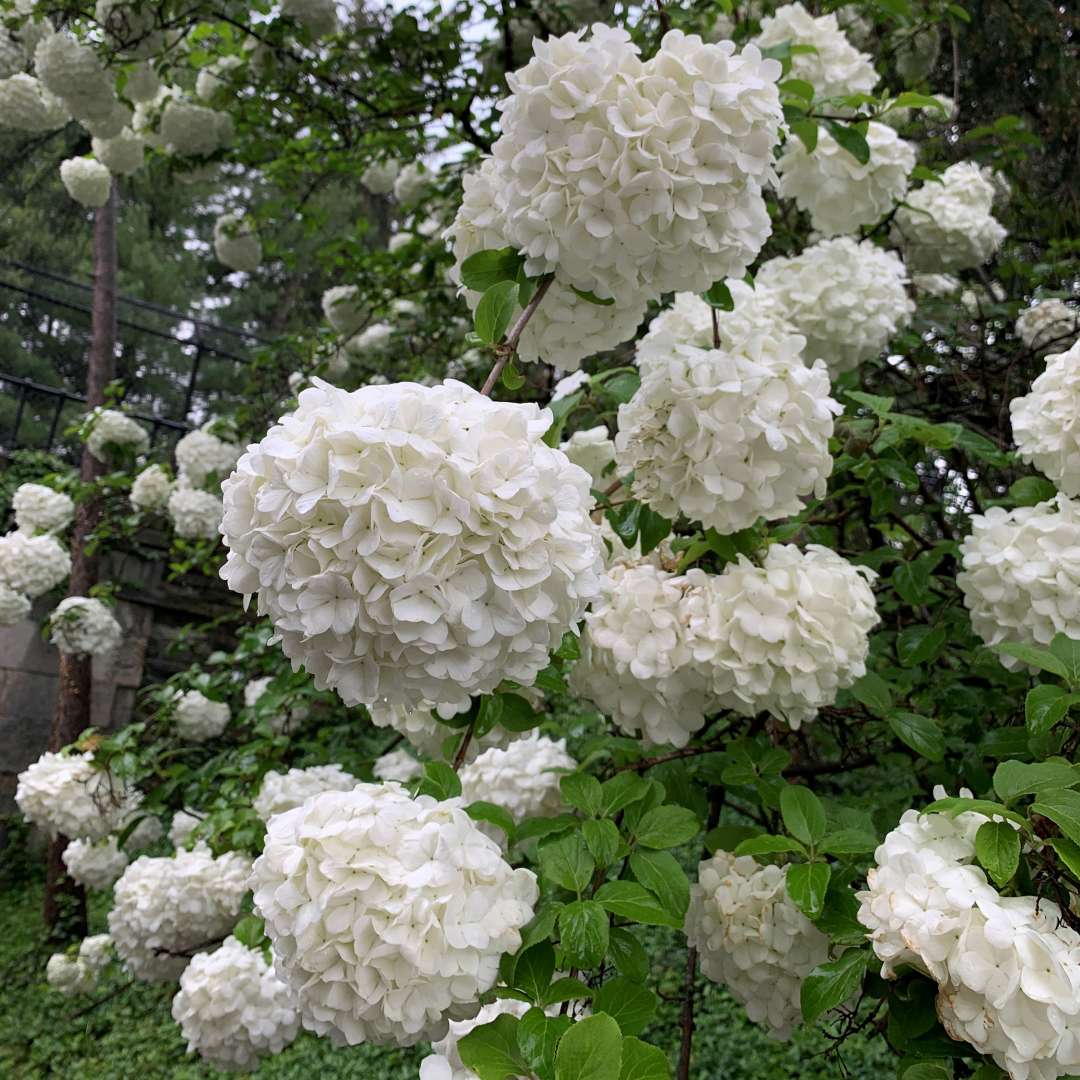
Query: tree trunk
x=65, y=901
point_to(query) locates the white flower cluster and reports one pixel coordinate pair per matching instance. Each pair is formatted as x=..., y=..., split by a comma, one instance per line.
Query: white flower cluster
x=215, y=76
x=195, y=514
x=96, y=865
x=14, y=607
x=726, y=437
x=279, y=792
x=444, y=1062
x=26, y=105
x=123, y=154
x=151, y=489
x=65, y=795
x=255, y=688
x=847, y=299
x=87, y=181
x=233, y=1009
x=834, y=68
x=570, y=384
x=201, y=455
x=165, y=909
x=197, y=718
x=1044, y=421
x=397, y=765
x=411, y=183
x=593, y=450
x=68, y=975
x=1021, y=574
x=412, y=544
x=1049, y=326
x=111, y=429
x=838, y=192
x=32, y=565
x=344, y=309
x=752, y=938
x=84, y=626
x=40, y=509
x=936, y=284
x=949, y=225
x=236, y=244
x=523, y=779
x=184, y=823
x=191, y=130
x=420, y=943
x=72, y=72
x=379, y=176
x=1007, y=967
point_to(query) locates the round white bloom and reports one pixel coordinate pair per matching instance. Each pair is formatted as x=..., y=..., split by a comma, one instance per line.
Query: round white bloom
x=1049, y=326
x=72, y=72
x=195, y=514
x=142, y=83
x=726, y=437
x=1044, y=421
x=200, y=455
x=131, y=28
x=372, y=339
x=69, y=975
x=593, y=450
x=236, y=244
x=379, y=176
x=752, y=938
x=420, y=943
x=570, y=384
x=32, y=565
x=1021, y=576
x=948, y=225
x=151, y=489
x=444, y=1062
x=95, y=865
x=233, y=1009
x=399, y=241
x=197, y=718
x=148, y=830
x=110, y=126
x=847, y=299
x=65, y=795
x=190, y=130
x=285, y=791
x=96, y=952
x=215, y=76
x=14, y=607
x=122, y=155
x=343, y=308
x=591, y=181
x=255, y=688
x=838, y=192
x=411, y=184
x=412, y=544
x=165, y=909
x=397, y=765
x=87, y=181
x=523, y=779
x=935, y=284
x=40, y=509
x=783, y=637
x=110, y=428
x=319, y=16
x=26, y=105
x=84, y=626
x=835, y=68
x=183, y=825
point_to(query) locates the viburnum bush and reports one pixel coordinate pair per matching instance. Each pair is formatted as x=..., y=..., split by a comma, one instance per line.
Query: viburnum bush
x=759, y=631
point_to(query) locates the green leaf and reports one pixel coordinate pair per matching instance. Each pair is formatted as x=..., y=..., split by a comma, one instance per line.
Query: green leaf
x=729, y=837
x=629, y=900
x=920, y=733
x=652, y=528
x=660, y=873
x=920, y=644
x=1068, y=853
x=603, y=840
x=567, y=862
x=798, y=87
x=640, y=1061
x=667, y=826
x=978, y=806
x=1030, y=490
x=928, y=1070
x=851, y=139
x=621, y=790
x=567, y=990
x=486, y=268
x=719, y=296
x=532, y=828
x=997, y=847
x=912, y=583
x=1063, y=809
x=493, y=312
x=627, y=954
x=590, y=1050
x=1035, y=657
x=873, y=691
x=493, y=815
x=592, y=298
x=1068, y=652
x=582, y=792
x=538, y=1036
x=516, y=714
x=439, y=781
x=625, y=521
x=628, y=1003
x=583, y=930
x=534, y=969
x=806, y=885
x=806, y=130
x=250, y=931
x=623, y=387
x=1045, y=706
x=1012, y=779
x=511, y=378
x=849, y=842
x=491, y=1050
x=910, y=100
x=803, y=814
x=769, y=845
x=832, y=983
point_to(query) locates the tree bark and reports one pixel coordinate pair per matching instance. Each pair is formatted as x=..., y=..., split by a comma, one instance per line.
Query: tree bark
x=65, y=901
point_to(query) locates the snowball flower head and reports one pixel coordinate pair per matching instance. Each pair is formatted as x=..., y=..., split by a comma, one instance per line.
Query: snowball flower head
x=1021, y=574
x=848, y=299
x=949, y=225
x=752, y=938
x=65, y=795
x=835, y=67
x=69, y=975
x=151, y=489
x=840, y=194
x=14, y=607
x=343, y=308
x=96, y=951
x=726, y=437
x=1050, y=325
x=411, y=183
x=593, y=450
x=397, y=765
x=72, y=72
x=183, y=825
x=195, y=515
x=201, y=455
x=32, y=565
x=233, y=1009
x=190, y=130
x=423, y=939
x=372, y=339
x=173, y=905
x=197, y=718
x=783, y=637
x=412, y=544
x=84, y=626
x=236, y=244
x=255, y=688
x=122, y=154
x=285, y=791
x=110, y=429
x=95, y=865
x=936, y=284
x=40, y=509
x=379, y=176
x=26, y=105
x=87, y=181
x=523, y=779
x=570, y=384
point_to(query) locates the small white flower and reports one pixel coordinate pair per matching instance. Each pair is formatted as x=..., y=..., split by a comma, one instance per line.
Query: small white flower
x=197, y=718
x=570, y=384
x=95, y=865
x=372, y=339
x=151, y=489
x=183, y=825
x=195, y=515
x=69, y=975
x=411, y=184
x=593, y=450
x=25, y=105
x=236, y=243
x=84, y=626
x=87, y=181
x=201, y=455
x=122, y=154
x=110, y=429
x=96, y=952
x=40, y=509
x=32, y=565
x=191, y=130
x=397, y=765
x=1048, y=326
x=285, y=791
x=343, y=308
x=379, y=176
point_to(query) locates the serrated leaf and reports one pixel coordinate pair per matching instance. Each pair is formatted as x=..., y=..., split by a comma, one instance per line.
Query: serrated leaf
x=534, y=969
x=667, y=826
x=729, y=837
x=538, y=1037
x=567, y=990
x=1030, y=490
x=832, y=983
x=640, y=1061
x=850, y=139
x=1068, y=853
x=627, y=954
x=873, y=692
x=849, y=842
x=1068, y=652
x=922, y=734
x=803, y=814
x=920, y=644
x=583, y=933
x=566, y=861
x=719, y=296
x=1063, y=809
x=806, y=885
x=1033, y=656
x=494, y=311
x=1045, y=706
x=997, y=847
x=603, y=840
x=493, y=815
x=769, y=845
x=622, y=790
x=652, y=529
x=660, y=873
x=486, y=268
x=439, y=781
x=1013, y=779
x=629, y=900
x=978, y=806
x=582, y=792
x=491, y=1050
x=799, y=87
x=628, y=1003
x=590, y=1050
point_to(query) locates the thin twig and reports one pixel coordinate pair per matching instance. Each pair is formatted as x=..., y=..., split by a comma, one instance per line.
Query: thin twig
x=115, y=992
x=715, y=328
x=463, y=746
x=507, y=349
x=613, y=487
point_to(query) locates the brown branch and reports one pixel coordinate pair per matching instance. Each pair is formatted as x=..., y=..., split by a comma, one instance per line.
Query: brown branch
x=507, y=349
x=715, y=327
x=463, y=746
x=115, y=992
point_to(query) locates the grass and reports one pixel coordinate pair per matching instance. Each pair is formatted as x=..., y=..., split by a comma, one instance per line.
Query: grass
x=129, y=1031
